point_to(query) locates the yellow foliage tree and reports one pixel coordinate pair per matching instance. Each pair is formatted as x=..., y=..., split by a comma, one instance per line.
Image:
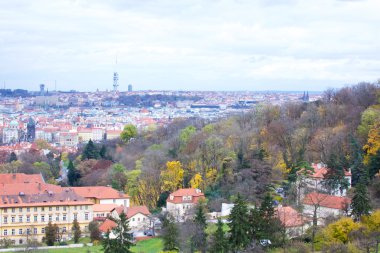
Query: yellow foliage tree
x=172, y=176
x=338, y=231
x=372, y=221
x=196, y=181
x=373, y=142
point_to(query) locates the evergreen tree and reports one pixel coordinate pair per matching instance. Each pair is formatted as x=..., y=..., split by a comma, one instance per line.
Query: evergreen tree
x=169, y=233
x=256, y=223
x=76, y=230
x=239, y=225
x=95, y=233
x=73, y=175
x=123, y=237
x=90, y=151
x=50, y=234
x=360, y=202
x=103, y=152
x=219, y=242
x=13, y=157
x=199, y=238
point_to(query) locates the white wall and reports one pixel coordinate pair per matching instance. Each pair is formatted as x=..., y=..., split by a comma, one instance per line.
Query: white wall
x=120, y=202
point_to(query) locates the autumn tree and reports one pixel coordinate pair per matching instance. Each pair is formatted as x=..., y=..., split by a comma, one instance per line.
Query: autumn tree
x=50, y=234
x=172, y=176
x=129, y=132
x=118, y=177
x=95, y=233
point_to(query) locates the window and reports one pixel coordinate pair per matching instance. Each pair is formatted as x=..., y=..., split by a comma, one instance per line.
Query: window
x=64, y=229
x=86, y=216
x=27, y=218
x=20, y=241
x=20, y=209
x=13, y=231
x=50, y=208
x=5, y=232
x=20, y=231
x=138, y=219
x=86, y=207
x=28, y=231
x=28, y=209
x=75, y=216
x=20, y=219
x=42, y=218
x=57, y=208
x=64, y=217
x=13, y=209
x=35, y=209
x=43, y=230
x=34, y=230
x=50, y=217
x=75, y=207
x=35, y=218
x=144, y=219
x=5, y=219
x=42, y=208
x=80, y=207
x=57, y=217
x=64, y=208
x=13, y=219
x=133, y=219
x=114, y=201
x=5, y=210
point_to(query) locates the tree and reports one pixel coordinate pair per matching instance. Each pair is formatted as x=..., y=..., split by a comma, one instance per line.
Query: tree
x=199, y=238
x=129, y=132
x=103, y=152
x=50, y=234
x=172, y=176
x=360, y=202
x=123, y=237
x=12, y=157
x=95, y=233
x=219, y=242
x=90, y=151
x=239, y=225
x=73, y=174
x=118, y=177
x=76, y=230
x=169, y=233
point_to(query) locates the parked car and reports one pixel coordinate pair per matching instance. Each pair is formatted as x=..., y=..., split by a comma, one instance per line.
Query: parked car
x=148, y=232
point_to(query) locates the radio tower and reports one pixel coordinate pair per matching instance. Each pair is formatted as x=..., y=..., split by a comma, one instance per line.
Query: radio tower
x=115, y=79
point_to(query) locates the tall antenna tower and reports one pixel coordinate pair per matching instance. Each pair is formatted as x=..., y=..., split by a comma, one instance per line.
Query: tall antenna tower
x=115, y=79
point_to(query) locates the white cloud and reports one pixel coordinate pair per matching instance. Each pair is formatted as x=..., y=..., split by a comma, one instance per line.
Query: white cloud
x=189, y=44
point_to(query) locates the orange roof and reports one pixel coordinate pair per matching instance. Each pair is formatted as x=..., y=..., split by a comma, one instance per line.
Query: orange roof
x=99, y=192
x=321, y=171
x=325, y=200
x=290, y=217
x=132, y=211
x=103, y=207
x=28, y=188
x=107, y=225
x=20, y=178
x=177, y=196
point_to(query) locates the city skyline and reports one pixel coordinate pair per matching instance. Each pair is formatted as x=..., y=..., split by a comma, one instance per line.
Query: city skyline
x=189, y=45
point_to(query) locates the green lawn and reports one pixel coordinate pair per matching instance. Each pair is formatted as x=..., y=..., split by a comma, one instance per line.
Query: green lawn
x=153, y=245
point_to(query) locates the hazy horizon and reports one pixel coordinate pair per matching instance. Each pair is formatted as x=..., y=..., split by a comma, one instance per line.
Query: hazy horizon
x=221, y=45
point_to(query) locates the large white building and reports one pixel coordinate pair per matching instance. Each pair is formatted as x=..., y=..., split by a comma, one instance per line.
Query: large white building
x=10, y=133
x=181, y=202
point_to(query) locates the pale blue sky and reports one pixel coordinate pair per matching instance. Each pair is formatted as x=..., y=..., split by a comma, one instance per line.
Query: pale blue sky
x=189, y=44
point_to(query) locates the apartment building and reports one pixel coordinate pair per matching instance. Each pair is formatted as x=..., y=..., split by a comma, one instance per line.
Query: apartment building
x=24, y=216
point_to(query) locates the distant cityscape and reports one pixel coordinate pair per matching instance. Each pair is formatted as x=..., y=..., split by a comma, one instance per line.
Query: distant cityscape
x=68, y=118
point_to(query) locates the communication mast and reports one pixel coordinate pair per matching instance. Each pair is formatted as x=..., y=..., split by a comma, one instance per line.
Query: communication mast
x=115, y=79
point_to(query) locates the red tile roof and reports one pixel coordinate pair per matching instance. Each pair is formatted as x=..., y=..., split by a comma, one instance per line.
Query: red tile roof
x=107, y=225
x=20, y=178
x=290, y=217
x=99, y=192
x=325, y=200
x=103, y=207
x=132, y=211
x=177, y=196
x=321, y=171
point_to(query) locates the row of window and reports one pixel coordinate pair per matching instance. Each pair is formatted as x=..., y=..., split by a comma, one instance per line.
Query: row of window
x=49, y=218
x=50, y=208
x=28, y=231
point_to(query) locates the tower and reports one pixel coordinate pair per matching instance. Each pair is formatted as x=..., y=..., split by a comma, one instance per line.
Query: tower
x=130, y=88
x=42, y=89
x=30, y=130
x=115, y=81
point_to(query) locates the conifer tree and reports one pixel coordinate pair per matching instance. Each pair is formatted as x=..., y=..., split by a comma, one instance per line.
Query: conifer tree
x=76, y=230
x=50, y=234
x=219, y=242
x=239, y=225
x=169, y=233
x=13, y=157
x=360, y=202
x=123, y=237
x=199, y=238
x=90, y=151
x=73, y=175
x=103, y=152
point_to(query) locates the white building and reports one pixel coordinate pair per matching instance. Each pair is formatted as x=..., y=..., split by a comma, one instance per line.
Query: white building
x=181, y=202
x=10, y=133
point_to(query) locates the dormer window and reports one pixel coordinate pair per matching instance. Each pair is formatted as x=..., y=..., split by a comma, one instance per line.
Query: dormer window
x=185, y=198
x=171, y=197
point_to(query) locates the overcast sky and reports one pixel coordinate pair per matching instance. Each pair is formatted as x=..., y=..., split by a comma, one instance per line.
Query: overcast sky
x=189, y=44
